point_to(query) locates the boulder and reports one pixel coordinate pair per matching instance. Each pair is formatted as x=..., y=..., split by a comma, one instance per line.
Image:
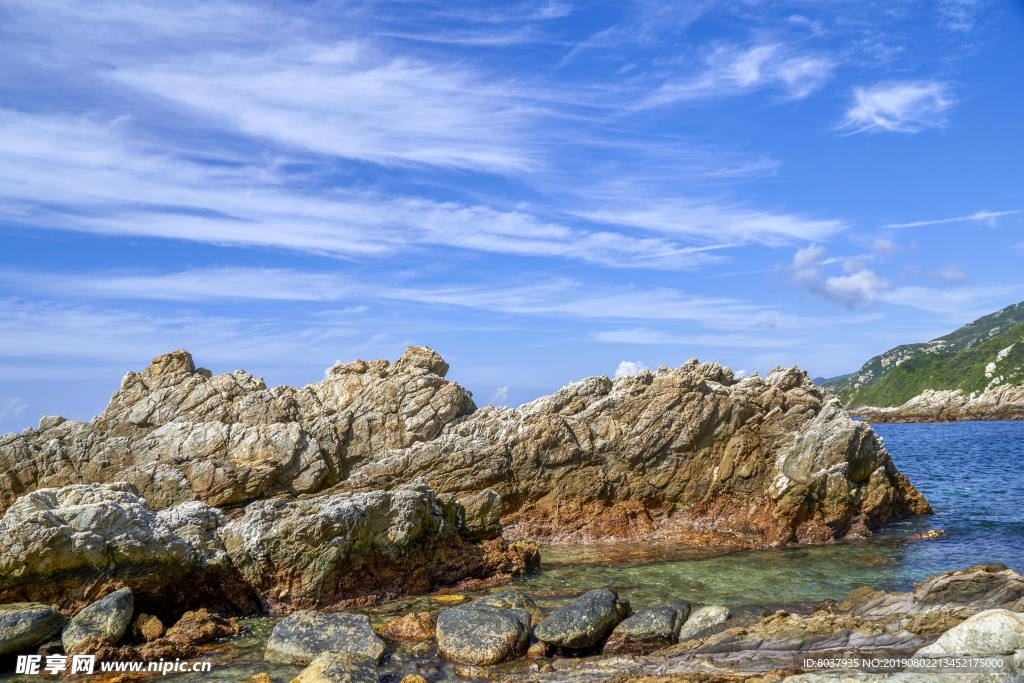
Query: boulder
x=988, y=633
x=300, y=637
x=25, y=625
x=64, y=546
x=339, y=667
x=512, y=600
x=482, y=520
x=759, y=611
x=585, y=622
x=482, y=635
x=649, y=629
x=701, y=619
x=106, y=618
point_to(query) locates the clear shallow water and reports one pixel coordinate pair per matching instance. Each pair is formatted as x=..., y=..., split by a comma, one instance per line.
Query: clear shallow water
x=971, y=472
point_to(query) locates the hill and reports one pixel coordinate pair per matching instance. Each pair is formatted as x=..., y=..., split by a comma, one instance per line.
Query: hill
x=967, y=337
x=984, y=365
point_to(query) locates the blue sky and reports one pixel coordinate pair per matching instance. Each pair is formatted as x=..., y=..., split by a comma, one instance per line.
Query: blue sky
x=540, y=191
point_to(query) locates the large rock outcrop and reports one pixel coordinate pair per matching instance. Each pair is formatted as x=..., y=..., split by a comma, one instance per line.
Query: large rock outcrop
x=998, y=403
x=688, y=452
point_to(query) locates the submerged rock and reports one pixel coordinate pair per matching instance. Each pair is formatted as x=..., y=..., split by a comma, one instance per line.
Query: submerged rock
x=106, y=618
x=339, y=667
x=651, y=628
x=302, y=636
x=585, y=622
x=481, y=635
x=24, y=625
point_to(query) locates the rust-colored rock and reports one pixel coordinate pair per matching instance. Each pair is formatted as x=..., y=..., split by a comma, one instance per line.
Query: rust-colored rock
x=146, y=627
x=413, y=626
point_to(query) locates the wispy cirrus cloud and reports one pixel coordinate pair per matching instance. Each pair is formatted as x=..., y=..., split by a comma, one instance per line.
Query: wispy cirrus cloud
x=988, y=217
x=898, y=107
x=731, y=70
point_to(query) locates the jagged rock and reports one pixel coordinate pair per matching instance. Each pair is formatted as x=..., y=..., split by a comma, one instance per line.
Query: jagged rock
x=512, y=600
x=701, y=619
x=107, y=618
x=997, y=403
x=585, y=622
x=180, y=434
x=146, y=627
x=64, y=546
x=318, y=551
x=649, y=629
x=302, y=636
x=481, y=635
x=339, y=667
x=664, y=452
x=482, y=515
x=992, y=632
x=104, y=649
x=413, y=626
x=24, y=625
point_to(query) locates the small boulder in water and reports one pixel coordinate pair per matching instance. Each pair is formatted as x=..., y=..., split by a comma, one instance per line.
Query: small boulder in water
x=27, y=624
x=482, y=635
x=106, y=618
x=339, y=667
x=585, y=622
x=300, y=637
x=702, y=619
x=649, y=629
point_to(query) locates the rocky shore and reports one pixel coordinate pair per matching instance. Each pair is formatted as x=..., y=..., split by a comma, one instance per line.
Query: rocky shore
x=194, y=492
x=976, y=613
x=998, y=403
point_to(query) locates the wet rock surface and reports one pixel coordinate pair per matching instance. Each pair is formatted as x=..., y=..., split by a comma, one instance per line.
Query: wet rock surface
x=339, y=667
x=107, y=618
x=302, y=636
x=478, y=634
x=585, y=622
x=27, y=624
x=649, y=629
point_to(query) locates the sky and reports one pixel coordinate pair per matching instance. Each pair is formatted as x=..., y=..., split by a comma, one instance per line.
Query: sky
x=539, y=191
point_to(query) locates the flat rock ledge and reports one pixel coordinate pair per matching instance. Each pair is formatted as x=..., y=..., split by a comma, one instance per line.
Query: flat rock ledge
x=689, y=452
x=998, y=403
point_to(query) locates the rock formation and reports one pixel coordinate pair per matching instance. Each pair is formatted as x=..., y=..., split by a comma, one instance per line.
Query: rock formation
x=68, y=546
x=998, y=403
x=687, y=452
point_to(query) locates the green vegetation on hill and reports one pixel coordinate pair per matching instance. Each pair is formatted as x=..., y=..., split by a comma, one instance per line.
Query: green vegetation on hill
x=998, y=361
x=969, y=336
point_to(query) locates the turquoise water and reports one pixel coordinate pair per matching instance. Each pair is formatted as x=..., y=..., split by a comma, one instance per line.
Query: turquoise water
x=971, y=472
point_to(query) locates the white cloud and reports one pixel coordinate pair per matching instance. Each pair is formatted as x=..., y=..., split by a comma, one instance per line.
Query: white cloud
x=102, y=181
x=12, y=407
x=732, y=70
x=722, y=223
x=627, y=367
x=951, y=274
x=886, y=248
x=957, y=303
x=500, y=396
x=899, y=107
x=987, y=217
x=861, y=287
